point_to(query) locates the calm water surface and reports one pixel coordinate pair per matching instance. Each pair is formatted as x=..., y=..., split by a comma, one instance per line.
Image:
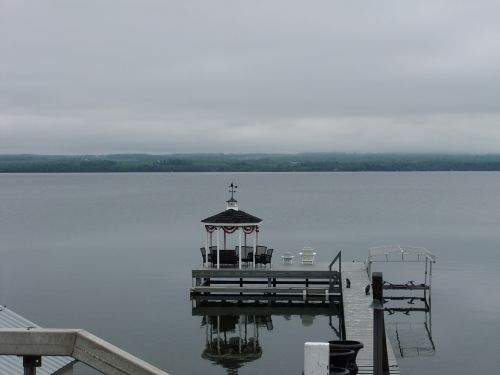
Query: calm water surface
x=112, y=253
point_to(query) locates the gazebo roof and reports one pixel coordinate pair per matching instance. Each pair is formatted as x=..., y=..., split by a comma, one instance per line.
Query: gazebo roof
x=232, y=217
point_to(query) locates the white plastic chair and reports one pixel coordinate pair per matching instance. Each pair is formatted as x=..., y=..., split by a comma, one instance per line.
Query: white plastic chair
x=287, y=258
x=307, y=255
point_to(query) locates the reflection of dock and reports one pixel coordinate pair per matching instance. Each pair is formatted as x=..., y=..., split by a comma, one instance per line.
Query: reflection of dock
x=217, y=308
x=411, y=334
x=233, y=329
x=414, y=339
x=359, y=317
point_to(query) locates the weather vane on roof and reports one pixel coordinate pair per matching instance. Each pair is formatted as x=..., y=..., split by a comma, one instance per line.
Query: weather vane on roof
x=232, y=190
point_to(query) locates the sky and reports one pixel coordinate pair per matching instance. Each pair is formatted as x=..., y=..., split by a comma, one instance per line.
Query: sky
x=277, y=76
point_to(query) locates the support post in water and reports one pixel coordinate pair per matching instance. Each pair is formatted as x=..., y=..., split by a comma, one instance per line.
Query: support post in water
x=30, y=363
x=380, y=361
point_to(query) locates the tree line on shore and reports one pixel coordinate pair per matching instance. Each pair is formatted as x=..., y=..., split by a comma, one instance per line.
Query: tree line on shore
x=306, y=162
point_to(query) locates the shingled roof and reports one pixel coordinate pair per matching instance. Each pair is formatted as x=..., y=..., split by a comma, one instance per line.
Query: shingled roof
x=232, y=217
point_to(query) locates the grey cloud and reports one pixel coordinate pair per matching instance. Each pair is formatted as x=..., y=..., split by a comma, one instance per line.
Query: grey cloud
x=160, y=76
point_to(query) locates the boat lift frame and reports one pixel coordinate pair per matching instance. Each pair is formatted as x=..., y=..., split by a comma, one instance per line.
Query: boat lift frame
x=402, y=254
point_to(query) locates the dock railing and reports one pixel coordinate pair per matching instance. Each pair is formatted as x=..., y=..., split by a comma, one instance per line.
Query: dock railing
x=399, y=253
x=338, y=258
x=33, y=344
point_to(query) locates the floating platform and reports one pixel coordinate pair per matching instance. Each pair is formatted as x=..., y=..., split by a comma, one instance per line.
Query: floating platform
x=281, y=282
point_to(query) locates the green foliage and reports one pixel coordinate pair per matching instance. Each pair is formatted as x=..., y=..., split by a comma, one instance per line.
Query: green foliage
x=307, y=162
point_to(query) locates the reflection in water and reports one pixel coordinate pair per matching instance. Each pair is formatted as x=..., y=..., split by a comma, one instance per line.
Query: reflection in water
x=404, y=303
x=232, y=340
x=409, y=326
x=307, y=320
x=233, y=332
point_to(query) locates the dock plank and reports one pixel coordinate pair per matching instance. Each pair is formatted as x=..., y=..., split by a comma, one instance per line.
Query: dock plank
x=359, y=317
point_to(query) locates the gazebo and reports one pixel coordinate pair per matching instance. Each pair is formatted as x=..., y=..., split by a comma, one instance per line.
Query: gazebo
x=231, y=221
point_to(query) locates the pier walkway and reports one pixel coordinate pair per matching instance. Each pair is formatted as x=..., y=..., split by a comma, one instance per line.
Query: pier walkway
x=359, y=317
x=295, y=283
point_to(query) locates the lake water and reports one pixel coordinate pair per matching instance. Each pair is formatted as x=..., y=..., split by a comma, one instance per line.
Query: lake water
x=112, y=253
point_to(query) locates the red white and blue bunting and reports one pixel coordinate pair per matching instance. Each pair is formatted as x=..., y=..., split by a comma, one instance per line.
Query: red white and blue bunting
x=210, y=228
x=248, y=229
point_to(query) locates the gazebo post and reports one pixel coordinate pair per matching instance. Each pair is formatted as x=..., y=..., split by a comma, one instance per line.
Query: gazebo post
x=218, y=248
x=218, y=333
x=239, y=255
x=206, y=329
x=211, y=331
x=225, y=247
x=207, y=250
x=246, y=329
x=254, y=246
x=254, y=332
x=239, y=334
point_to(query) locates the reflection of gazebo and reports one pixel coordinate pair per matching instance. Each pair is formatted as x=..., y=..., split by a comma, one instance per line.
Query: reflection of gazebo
x=228, y=342
x=233, y=331
x=232, y=220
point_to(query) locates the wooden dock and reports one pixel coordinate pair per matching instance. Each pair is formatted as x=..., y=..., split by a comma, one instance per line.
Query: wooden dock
x=358, y=317
x=281, y=282
x=297, y=283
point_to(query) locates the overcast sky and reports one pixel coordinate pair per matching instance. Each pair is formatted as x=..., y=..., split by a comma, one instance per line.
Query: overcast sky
x=96, y=76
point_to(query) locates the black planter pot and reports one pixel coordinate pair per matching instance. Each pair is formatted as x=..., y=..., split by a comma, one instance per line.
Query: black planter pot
x=347, y=344
x=342, y=357
x=339, y=371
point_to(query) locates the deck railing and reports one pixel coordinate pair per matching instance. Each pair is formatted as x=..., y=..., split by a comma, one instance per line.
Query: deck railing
x=34, y=343
x=337, y=257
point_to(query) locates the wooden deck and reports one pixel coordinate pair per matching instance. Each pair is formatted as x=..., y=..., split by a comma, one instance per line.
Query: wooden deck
x=278, y=282
x=358, y=317
x=275, y=266
x=300, y=283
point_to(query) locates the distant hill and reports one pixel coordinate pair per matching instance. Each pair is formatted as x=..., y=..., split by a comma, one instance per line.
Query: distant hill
x=305, y=162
